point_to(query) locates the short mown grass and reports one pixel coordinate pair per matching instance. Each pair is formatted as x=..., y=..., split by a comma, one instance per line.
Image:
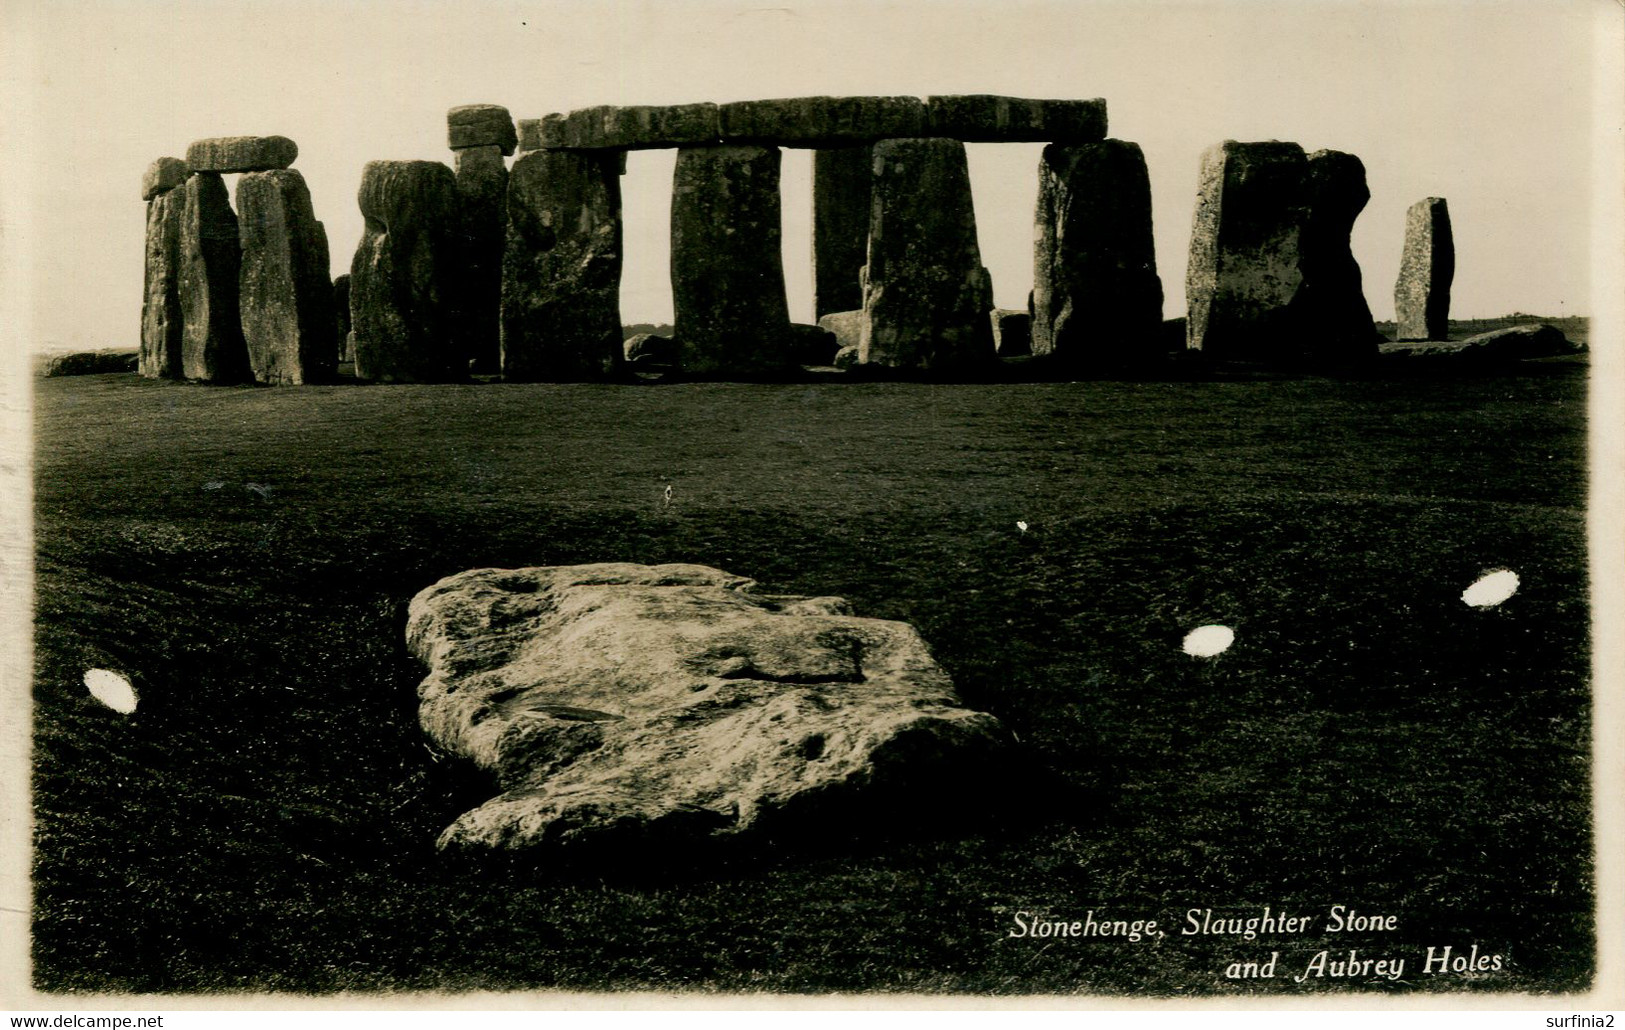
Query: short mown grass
x=265, y=820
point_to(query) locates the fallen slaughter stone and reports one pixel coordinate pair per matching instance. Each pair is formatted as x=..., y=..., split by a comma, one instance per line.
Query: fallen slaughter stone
x=1246, y=264
x=627, y=705
x=727, y=268
x=403, y=280
x=1097, y=299
x=622, y=128
x=241, y=154
x=482, y=189
x=1337, y=323
x=212, y=347
x=1426, y=270
x=561, y=269
x=821, y=121
x=480, y=125
x=162, y=327
x=285, y=295
x=979, y=118
x=166, y=173
x=926, y=296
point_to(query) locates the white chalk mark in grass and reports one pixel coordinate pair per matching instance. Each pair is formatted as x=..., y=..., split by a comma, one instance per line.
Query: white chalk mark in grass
x=1491, y=589
x=1207, y=641
x=111, y=689
x=1021, y=525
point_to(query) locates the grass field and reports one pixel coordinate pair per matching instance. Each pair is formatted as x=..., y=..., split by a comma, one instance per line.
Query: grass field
x=265, y=820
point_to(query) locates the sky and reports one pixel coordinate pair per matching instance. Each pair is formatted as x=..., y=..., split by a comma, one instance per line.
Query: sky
x=1487, y=104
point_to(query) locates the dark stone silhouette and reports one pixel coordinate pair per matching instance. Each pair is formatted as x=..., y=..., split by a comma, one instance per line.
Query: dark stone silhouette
x=162, y=327
x=926, y=296
x=1097, y=299
x=212, y=347
x=840, y=227
x=285, y=296
x=482, y=189
x=403, y=278
x=1246, y=251
x=727, y=269
x=561, y=269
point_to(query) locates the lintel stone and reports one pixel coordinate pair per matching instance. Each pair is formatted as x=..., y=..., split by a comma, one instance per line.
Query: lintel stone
x=241, y=154
x=822, y=121
x=982, y=118
x=622, y=128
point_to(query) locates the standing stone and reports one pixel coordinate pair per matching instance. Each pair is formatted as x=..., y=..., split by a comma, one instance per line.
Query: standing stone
x=402, y=280
x=1097, y=299
x=1336, y=320
x=926, y=296
x=162, y=342
x=561, y=269
x=482, y=188
x=286, y=296
x=1012, y=332
x=727, y=265
x=840, y=227
x=341, y=317
x=1246, y=251
x=212, y=348
x=1422, y=292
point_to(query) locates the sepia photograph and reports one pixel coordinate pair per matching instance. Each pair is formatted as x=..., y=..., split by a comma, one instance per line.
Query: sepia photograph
x=954, y=501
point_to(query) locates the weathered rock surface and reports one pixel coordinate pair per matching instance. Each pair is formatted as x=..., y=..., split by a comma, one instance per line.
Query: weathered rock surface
x=403, y=279
x=840, y=227
x=1426, y=270
x=482, y=189
x=626, y=704
x=212, y=347
x=648, y=349
x=1515, y=343
x=1097, y=299
x=89, y=362
x=241, y=154
x=821, y=121
x=166, y=173
x=727, y=267
x=1012, y=332
x=980, y=118
x=341, y=317
x=1246, y=263
x=846, y=357
x=480, y=125
x=846, y=325
x=285, y=295
x=561, y=269
x=162, y=340
x=1337, y=323
x=623, y=128
x=926, y=296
